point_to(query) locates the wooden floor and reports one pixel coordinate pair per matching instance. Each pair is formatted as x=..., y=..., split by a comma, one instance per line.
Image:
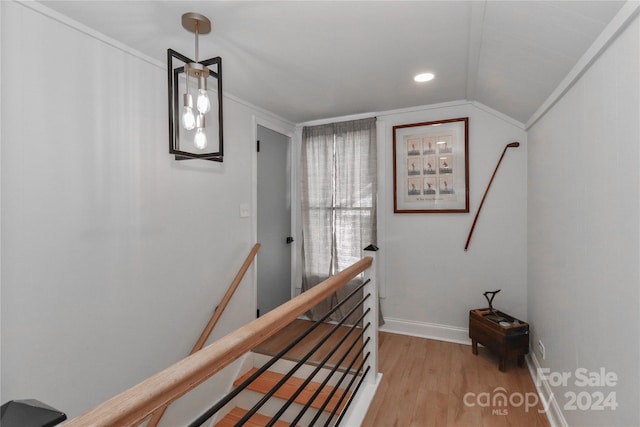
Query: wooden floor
x=277, y=342
x=427, y=382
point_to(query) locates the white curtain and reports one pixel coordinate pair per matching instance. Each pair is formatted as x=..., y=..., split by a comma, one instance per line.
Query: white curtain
x=338, y=202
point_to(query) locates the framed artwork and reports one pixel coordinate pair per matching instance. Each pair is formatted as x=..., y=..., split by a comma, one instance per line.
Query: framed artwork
x=431, y=167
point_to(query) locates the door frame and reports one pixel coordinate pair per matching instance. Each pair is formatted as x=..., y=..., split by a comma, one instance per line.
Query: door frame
x=289, y=132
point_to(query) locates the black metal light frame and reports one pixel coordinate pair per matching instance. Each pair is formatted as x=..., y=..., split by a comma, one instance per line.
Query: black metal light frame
x=174, y=106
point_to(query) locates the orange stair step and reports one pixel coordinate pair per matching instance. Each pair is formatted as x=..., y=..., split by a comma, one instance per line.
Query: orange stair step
x=257, y=420
x=268, y=380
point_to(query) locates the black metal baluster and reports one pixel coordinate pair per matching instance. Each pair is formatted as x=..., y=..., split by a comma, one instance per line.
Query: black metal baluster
x=355, y=392
x=315, y=371
x=345, y=392
x=226, y=399
x=330, y=375
x=344, y=375
x=289, y=374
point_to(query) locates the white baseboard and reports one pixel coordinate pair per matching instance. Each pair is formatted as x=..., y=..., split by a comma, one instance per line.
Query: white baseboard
x=426, y=330
x=554, y=413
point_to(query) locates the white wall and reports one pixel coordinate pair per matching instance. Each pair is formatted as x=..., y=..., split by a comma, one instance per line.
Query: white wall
x=584, y=232
x=431, y=283
x=113, y=254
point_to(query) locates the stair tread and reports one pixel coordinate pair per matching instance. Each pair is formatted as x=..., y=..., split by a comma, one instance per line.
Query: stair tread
x=257, y=420
x=268, y=380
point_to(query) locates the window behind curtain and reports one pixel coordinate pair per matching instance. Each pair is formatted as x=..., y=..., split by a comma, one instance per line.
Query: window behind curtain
x=338, y=196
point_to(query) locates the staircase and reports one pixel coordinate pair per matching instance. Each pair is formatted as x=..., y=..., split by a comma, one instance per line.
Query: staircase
x=150, y=397
x=237, y=408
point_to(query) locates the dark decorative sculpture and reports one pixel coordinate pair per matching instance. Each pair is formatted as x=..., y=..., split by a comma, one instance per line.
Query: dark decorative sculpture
x=490, y=299
x=493, y=314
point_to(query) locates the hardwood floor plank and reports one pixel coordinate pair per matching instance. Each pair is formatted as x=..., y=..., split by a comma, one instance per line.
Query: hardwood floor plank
x=430, y=410
x=435, y=383
x=425, y=383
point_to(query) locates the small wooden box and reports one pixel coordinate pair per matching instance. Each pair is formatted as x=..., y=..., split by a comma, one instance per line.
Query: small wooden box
x=507, y=340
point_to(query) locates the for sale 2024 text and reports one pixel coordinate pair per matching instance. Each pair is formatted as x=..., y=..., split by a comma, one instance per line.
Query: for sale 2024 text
x=588, y=398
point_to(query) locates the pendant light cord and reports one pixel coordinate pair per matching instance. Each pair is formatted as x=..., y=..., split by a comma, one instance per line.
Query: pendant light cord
x=196, y=33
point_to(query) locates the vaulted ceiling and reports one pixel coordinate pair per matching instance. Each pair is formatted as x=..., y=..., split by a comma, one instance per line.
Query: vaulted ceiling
x=308, y=60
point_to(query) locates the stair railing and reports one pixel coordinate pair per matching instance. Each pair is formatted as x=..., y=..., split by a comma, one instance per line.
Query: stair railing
x=132, y=406
x=337, y=401
x=217, y=313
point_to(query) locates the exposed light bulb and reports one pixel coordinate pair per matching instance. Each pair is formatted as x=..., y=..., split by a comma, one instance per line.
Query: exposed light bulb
x=203, y=103
x=200, y=140
x=188, y=118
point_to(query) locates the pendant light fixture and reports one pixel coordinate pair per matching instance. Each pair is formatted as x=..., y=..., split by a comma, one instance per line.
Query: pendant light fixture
x=194, y=132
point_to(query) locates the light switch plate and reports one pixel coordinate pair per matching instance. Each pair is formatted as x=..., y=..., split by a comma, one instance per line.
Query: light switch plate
x=244, y=210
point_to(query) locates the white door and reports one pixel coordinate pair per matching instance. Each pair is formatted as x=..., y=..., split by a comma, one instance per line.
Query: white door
x=273, y=220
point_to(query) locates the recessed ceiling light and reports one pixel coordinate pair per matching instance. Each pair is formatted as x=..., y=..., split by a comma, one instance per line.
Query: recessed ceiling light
x=424, y=77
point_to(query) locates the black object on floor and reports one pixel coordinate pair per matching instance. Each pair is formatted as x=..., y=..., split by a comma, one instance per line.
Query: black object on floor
x=29, y=413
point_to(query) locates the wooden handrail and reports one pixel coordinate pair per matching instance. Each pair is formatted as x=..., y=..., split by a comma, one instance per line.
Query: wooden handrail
x=204, y=336
x=225, y=300
x=131, y=406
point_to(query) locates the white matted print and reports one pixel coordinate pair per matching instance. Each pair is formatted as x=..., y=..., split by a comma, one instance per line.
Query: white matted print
x=431, y=166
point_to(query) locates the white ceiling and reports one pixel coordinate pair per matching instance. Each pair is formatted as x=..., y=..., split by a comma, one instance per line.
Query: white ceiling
x=308, y=60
